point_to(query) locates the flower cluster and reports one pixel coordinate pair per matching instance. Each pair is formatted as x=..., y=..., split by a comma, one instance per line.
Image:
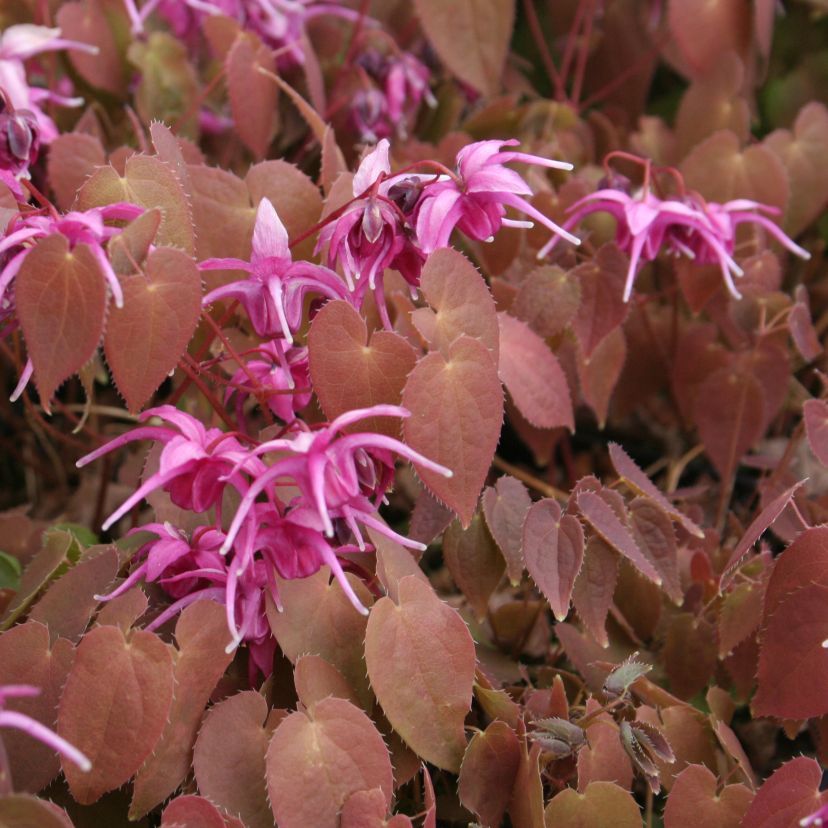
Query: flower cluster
x=20, y=721
x=395, y=221
x=303, y=509
x=685, y=225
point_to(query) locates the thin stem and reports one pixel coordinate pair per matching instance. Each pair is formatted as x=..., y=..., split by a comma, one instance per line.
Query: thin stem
x=545, y=55
x=211, y=397
x=529, y=479
x=583, y=53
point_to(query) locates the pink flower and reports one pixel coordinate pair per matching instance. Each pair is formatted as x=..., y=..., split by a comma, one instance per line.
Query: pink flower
x=274, y=382
x=372, y=234
x=817, y=818
x=273, y=294
x=79, y=228
x=702, y=231
x=19, y=143
x=20, y=721
x=337, y=475
x=475, y=198
x=195, y=465
x=18, y=44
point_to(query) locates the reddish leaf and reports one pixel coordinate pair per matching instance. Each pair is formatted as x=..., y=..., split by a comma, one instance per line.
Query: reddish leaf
x=73, y=157
x=25, y=658
x=695, y=799
x=124, y=610
x=599, y=374
x=229, y=757
x=131, y=246
x=457, y=410
x=698, y=355
x=201, y=634
x=816, y=428
x=603, y=759
x=553, y=548
x=689, y=654
x=533, y=376
x=317, y=679
x=421, y=661
x=594, y=587
x=114, y=707
x=471, y=37
x=629, y=472
x=654, y=535
x=24, y=811
x=253, y=97
x=789, y=795
x=793, y=670
x=394, y=562
x=505, y=507
x=69, y=603
x=318, y=618
x=526, y=803
x=803, y=563
x=721, y=171
x=150, y=183
x=602, y=308
x=607, y=524
x=739, y=616
x=296, y=198
x=760, y=523
x=367, y=809
x=429, y=519
x=461, y=301
x=488, y=772
x=547, y=300
x=61, y=301
x=474, y=562
x=146, y=338
x=348, y=373
x=90, y=21
x=728, y=413
x=802, y=152
x=191, y=812
x=602, y=803
x=318, y=758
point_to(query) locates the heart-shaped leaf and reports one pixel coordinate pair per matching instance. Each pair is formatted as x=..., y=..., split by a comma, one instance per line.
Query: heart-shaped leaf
x=61, y=303
x=602, y=803
x=146, y=338
x=457, y=410
x=505, y=506
x=318, y=758
x=788, y=796
x=347, y=372
x=695, y=798
x=421, y=662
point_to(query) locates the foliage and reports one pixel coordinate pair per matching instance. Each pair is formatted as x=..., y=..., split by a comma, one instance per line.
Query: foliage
x=417, y=413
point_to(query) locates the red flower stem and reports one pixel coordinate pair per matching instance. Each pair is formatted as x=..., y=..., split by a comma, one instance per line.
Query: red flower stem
x=583, y=54
x=622, y=77
x=571, y=40
x=208, y=394
x=545, y=55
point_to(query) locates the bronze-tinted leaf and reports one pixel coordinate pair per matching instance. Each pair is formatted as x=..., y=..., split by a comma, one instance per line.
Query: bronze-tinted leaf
x=229, y=757
x=317, y=679
x=599, y=374
x=602, y=308
x=816, y=428
x=471, y=37
x=488, y=772
x=202, y=636
x=421, y=661
x=457, y=410
x=461, y=302
x=24, y=811
x=347, y=372
x=533, y=376
x=739, y=616
x=689, y=654
x=604, y=758
x=504, y=507
x=548, y=299
x=789, y=795
x=114, y=707
x=191, y=812
x=729, y=414
x=695, y=798
x=656, y=538
x=474, y=562
x=803, y=563
x=318, y=758
x=594, y=587
x=26, y=658
x=601, y=803
x=61, y=303
x=73, y=157
x=553, y=548
x=146, y=338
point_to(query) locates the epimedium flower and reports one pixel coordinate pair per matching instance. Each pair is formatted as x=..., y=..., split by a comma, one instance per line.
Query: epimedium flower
x=685, y=225
x=284, y=391
x=372, y=233
x=20, y=43
x=20, y=721
x=475, y=197
x=273, y=294
x=78, y=228
x=19, y=146
x=195, y=462
x=816, y=819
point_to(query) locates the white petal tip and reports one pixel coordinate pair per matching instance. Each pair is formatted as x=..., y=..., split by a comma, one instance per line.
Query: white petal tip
x=85, y=766
x=825, y=644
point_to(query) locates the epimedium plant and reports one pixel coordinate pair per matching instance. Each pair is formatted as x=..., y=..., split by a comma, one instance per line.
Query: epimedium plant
x=416, y=414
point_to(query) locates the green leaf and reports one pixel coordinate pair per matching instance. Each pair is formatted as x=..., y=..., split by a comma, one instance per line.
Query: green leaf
x=9, y=572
